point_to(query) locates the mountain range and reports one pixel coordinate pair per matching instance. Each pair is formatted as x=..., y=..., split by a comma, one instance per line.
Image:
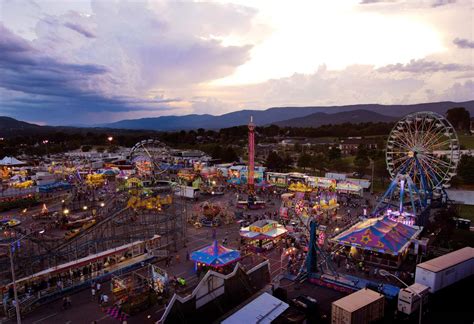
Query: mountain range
x=281, y=116
x=288, y=116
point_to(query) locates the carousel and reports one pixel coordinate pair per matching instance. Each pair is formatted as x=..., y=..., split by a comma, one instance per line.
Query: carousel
x=379, y=241
x=215, y=257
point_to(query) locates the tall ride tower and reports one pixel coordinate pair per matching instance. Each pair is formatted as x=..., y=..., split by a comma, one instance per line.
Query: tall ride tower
x=251, y=166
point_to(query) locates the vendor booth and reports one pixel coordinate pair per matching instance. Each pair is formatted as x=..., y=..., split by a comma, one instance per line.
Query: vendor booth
x=348, y=187
x=263, y=235
x=140, y=288
x=277, y=179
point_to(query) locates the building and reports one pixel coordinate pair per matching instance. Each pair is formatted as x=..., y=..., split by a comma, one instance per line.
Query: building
x=307, y=142
x=349, y=146
x=217, y=293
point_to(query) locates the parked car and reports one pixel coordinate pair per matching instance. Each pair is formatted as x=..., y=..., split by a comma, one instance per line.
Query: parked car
x=305, y=303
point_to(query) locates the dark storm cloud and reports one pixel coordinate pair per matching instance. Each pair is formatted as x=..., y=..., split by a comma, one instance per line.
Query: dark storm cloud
x=80, y=29
x=424, y=66
x=463, y=43
x=46, y=87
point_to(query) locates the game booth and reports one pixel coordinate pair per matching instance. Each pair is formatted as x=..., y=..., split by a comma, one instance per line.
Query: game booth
x=263, y=235
x=325, y=201
x=140, y=289
x=238, y=174
x=349, y=188
x=215, y=257
x=277, y=179
x=379, y=241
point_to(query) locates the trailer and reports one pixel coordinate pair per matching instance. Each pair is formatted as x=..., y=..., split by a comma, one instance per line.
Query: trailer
x=409, y=298
x=187, y=192
x=446, y=270
x=363, y=306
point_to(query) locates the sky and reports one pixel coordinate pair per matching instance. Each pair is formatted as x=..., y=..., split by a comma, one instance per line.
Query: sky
x=91, y=62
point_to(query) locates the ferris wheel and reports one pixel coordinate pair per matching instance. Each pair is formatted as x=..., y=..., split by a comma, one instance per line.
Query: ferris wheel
x=148, y=156
x=424, y=146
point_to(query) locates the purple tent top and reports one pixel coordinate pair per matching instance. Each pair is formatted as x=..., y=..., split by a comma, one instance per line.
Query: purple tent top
x=379, y=234
x=215, y=255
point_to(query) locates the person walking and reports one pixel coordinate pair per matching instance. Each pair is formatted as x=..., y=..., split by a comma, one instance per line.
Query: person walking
x=93, y=293
x=68, y=302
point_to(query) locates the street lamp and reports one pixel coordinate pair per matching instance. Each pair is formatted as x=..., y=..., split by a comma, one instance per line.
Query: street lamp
x=385, y=273
x=12, y=267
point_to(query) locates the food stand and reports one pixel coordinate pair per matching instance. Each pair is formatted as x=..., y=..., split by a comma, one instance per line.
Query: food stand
x=263, y=235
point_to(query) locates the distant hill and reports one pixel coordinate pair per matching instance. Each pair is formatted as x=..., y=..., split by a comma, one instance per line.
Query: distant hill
x=10, y=125
x=279, y=115
x=320, y=118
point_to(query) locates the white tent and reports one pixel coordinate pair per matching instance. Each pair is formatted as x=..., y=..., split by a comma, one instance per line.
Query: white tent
x=10, y=161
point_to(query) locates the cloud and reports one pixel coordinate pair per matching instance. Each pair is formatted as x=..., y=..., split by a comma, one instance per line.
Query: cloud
x=125, y=58
x=439, y=3
x=375, y=1
x=425, y=66
x=460, y=91
x=356, y=84
x=463, y=43
x=80, y=29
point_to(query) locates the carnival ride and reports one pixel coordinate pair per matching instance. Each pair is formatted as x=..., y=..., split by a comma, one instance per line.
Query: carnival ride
x=422, y=155
x=148, y=157
x=211, y=214
x=252, y=201
x=425, y=147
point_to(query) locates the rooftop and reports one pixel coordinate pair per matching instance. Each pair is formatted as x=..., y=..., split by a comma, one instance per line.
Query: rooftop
x=358, y=300
x=448, y=260
x=263, y=309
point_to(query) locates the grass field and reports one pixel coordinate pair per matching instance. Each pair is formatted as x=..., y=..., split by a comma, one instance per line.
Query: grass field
x=467, y=141
x=466, y=211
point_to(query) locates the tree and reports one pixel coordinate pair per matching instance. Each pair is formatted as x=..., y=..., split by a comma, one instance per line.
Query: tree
x=304, y=160
x=287, y=162
x=274, y=161
x=229, y=155
x=319, y=162
x=334, y=153
x=86, y=148
x=466, y=169
x=460, y=118
x=340, y=165
x=361, y=161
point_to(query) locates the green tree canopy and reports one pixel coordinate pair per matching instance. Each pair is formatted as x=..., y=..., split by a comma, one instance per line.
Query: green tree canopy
x=460, y=118
x=466, y=169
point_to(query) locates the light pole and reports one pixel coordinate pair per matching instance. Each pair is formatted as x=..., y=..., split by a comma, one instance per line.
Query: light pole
x=12, y=268
x=372, y=164
x=385, y=273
